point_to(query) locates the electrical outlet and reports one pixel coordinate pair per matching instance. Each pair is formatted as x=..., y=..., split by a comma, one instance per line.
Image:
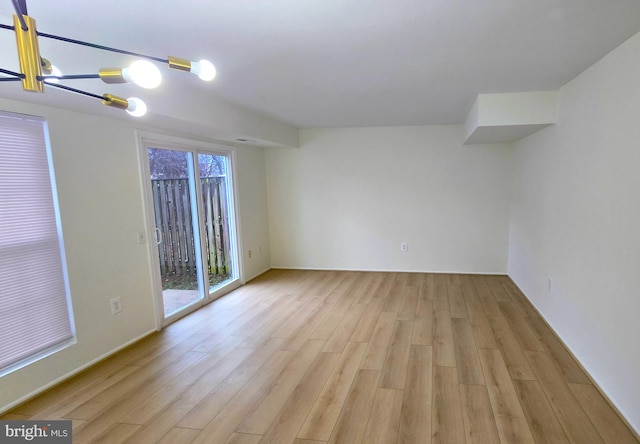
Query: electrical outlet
x=250, y=254
x=404, y=247
x=116, y=305
x=549, y=282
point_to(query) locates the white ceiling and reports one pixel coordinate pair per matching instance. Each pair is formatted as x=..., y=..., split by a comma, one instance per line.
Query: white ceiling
x=336, y=63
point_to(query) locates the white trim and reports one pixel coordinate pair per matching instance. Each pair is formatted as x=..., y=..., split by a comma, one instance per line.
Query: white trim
x=260, y=273
x=179, y=143
x=235, y=201
x=376, y=270
x=145, y=139
x=145, y=178
x=35, y=357
x=196, y=305
x=26, y=125
x=72, y=373
x=622, y=414
x=224, y=289
x=63, y=253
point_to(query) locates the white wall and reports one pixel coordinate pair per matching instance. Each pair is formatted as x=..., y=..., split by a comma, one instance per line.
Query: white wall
x=252, y=188
x=348, y=197
x=576, y=218
x=101, y=203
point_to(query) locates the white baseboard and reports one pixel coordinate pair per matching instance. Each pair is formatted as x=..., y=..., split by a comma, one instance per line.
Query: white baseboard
x=609, y=399
x=375, y=270
x=72, y=373
x=257, y=274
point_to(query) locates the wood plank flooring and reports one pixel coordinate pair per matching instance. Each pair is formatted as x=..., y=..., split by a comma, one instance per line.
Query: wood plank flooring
x=343, y=357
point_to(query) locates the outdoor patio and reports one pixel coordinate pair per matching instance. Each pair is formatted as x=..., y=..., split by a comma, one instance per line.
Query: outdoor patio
x=174, y=300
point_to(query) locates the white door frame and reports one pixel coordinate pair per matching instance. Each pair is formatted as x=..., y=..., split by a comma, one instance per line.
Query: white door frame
x=146, y=139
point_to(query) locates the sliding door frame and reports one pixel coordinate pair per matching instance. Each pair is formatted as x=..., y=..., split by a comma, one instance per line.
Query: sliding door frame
x=149, y=139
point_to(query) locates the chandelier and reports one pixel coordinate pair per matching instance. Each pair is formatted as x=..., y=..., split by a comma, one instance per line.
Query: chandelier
x=36, y=71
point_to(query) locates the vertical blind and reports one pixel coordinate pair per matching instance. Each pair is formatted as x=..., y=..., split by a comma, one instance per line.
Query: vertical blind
x=35, y=313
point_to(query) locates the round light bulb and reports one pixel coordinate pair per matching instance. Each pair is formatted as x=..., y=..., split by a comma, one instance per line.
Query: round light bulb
x=204, y=69
x=143, y=73
x=54, y=72
x=136, y=108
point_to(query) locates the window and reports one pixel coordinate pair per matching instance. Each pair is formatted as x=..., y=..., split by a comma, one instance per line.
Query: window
x=35, y=310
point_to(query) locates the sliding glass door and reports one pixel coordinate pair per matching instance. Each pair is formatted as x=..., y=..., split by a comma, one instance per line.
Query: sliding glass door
x=190, y=202
x=216, y=220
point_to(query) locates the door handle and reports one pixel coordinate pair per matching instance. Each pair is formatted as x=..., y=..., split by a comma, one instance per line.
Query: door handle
x=158, y=236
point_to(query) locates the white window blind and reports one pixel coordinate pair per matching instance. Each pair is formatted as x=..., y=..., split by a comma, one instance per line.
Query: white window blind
x=35, y=315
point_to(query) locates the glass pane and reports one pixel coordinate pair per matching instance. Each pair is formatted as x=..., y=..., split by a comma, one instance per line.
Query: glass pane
x=214, y=183
x=177, y=227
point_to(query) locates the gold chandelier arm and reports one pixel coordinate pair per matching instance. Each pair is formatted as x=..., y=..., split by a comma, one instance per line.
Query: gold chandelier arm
x=29, y=54
x=179, y=64
x=115, y=101
x=35, y=70
x=111, y=75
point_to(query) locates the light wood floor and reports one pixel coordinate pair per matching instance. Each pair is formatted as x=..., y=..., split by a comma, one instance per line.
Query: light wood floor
x=310, y=357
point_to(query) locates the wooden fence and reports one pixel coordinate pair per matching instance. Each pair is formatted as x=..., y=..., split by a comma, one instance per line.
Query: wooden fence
x=173, y=215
